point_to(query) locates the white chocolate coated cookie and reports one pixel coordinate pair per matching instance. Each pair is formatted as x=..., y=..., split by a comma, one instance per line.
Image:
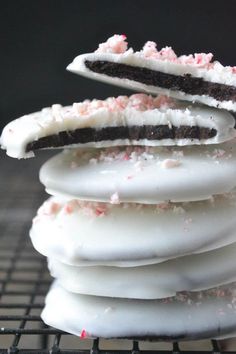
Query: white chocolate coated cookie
x=142, y=175
x=113, y=62
x=82, y=233
x=156, y=281
x=187, y=316
x=136, y=120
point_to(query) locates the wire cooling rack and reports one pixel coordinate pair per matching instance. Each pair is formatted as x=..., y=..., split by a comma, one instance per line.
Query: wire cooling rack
x=24, y=279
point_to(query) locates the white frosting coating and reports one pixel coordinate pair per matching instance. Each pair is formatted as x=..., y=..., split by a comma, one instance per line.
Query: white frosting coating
x=131, y=235
x=188, y=316
x=216, y=74
x=98, y=174
x=137, y=110
x=189, y=273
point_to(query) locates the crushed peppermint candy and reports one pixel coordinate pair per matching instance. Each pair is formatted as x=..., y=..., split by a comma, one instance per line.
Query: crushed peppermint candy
x=138, y=101
x=83, y=110
x=93, y=161
x=188, y=221
x=170, y=163
x=52, y=208
x=114, y=44
x=163, y=206
x=218, y=153
x=178, y=153
x=167, y=54
x=129, y=177
x=178, y=210
x=49, y=208
x=138, y=166
x=118, y=44
x=83, y=334
x=115, y=198
x=131, y=154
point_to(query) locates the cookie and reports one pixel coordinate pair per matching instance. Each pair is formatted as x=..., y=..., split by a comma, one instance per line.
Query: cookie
x=142, y=175
x=195, y=78
x=136, y=120
x=83, y=233
x=189, y=273
x=188, y=316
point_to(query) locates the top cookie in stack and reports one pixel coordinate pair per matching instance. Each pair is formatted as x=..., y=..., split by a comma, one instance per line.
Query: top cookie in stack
x=194, y=78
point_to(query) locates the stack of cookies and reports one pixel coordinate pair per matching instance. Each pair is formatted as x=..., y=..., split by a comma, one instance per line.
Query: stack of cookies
x=140, y=230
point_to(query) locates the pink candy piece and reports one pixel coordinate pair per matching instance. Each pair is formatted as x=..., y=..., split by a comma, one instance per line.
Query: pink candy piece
x=170, y=163
x=150, y=51
x=83, y=334
x=139, y=102
x=49, y=208
x=114, y=44
x=167, y=54
x=70, y=206
x=219, y=153
x=100, y=210
x=117, y=44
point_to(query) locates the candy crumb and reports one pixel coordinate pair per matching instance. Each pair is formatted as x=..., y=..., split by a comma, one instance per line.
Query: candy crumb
x=178, y=210
x=108, y=309
x=115, y=198
x=93, y=161
x=170, y=163
x=83, y=334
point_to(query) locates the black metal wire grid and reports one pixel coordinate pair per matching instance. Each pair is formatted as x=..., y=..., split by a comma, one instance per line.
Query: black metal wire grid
x=24, y=280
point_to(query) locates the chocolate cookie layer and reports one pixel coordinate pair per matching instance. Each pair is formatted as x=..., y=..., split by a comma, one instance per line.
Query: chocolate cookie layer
x=149, y=132
x=186, y=83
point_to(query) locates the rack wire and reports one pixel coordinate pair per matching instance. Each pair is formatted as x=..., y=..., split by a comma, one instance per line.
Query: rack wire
x=24, y=280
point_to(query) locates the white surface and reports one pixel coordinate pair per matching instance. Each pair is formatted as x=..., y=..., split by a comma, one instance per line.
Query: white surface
x=198, y=315
x=201, y=172
x=128, y=236
x=189, y=273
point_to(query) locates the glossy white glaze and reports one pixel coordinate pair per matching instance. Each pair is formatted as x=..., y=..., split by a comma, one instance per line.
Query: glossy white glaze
x=132, y=234
x=188, y=316
x=189, y=273
x=141, y=175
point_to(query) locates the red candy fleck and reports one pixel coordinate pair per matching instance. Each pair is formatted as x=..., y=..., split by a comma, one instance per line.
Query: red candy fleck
x=126, y=157
x=99, y=212
x=83, y=334
x=68, y=209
